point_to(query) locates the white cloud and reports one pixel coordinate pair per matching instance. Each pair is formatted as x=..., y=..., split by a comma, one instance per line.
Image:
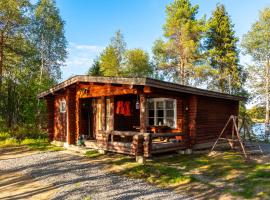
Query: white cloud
x=92, y=48
x=80, y=58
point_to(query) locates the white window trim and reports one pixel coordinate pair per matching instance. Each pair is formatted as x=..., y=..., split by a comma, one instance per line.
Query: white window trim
x=61, y=107
x=155, y=110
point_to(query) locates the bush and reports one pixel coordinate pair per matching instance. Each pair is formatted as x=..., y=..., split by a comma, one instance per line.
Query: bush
x=8, y=142
x=28, y=132
x=4, y=136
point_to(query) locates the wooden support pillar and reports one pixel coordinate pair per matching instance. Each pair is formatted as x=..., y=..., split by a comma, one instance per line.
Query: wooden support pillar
x=77, y=116
x=71, y=115
x=103, y=113
x=142, y=113
x=147, y=145
x=50, y=117
x=111, y=125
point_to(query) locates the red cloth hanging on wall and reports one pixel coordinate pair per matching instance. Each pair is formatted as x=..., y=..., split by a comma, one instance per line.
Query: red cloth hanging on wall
x=120, y=107
x=123, y=108
x=127, y=109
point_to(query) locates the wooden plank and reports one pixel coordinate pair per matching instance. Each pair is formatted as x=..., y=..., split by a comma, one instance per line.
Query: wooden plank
x=142, y=113
x=156, y=135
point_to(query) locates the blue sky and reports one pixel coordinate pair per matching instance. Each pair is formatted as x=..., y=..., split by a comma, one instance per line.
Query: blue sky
x=91, y=23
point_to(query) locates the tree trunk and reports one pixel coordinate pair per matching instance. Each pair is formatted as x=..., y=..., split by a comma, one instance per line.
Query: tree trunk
x=1, y=59
x=267, y=128
x=9, y=105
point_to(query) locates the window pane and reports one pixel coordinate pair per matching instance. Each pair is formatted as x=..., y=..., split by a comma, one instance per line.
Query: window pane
x=160, y=113
x=151, y=113
x=160, y=105
x=170, y=113
x=151, y=105
x=160, y=121
x=151, y=121
x=169, y=122
x=169, y=104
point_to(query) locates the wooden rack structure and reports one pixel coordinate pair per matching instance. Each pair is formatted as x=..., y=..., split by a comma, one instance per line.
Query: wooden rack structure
x=236, y=139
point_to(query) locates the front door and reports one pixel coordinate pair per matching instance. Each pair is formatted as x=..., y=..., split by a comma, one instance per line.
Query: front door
x=97, y=115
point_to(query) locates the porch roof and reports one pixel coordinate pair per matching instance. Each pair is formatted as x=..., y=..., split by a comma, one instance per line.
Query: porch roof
x=140, y=82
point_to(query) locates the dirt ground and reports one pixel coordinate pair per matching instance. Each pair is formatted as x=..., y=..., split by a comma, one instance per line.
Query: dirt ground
x=67, y=176
x=21, y=186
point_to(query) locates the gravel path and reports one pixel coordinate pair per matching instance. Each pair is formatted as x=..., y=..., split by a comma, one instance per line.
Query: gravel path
x=79, y=180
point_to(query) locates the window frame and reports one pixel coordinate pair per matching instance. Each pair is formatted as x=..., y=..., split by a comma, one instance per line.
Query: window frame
x=165, y=109
x=63, y=102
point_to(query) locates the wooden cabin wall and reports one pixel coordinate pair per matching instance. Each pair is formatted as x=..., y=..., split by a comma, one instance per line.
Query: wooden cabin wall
x=60, y=119
x=212, y=115
x=50, y=116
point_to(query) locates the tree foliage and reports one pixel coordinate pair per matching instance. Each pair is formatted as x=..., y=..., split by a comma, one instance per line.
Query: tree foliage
x=117, y=60
x=94, y=70
x=256, y=43
x=181, y=50
x=137, y=63
x=222, y=52
x=20, y=60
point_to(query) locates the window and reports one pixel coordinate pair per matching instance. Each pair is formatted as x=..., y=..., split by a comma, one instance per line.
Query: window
x=62, y=106
x=161, y=112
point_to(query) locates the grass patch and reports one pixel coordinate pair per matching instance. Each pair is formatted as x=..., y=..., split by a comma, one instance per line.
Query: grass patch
x=93, y=154
x=225, y=174
x=31, y=144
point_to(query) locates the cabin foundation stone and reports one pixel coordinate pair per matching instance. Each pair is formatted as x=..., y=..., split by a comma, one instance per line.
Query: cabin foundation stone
x=102, y=151
x=140, y=159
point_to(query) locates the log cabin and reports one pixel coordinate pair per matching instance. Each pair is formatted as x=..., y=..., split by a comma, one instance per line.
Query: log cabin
x=136, y=116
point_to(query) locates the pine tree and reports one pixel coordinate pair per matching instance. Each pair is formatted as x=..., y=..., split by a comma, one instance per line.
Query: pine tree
x=183, y=32
x=95, y=69
x=222, y=52
x=109, y=63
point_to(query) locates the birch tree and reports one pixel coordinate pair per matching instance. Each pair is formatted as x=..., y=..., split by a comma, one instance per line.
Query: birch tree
x=256, y=43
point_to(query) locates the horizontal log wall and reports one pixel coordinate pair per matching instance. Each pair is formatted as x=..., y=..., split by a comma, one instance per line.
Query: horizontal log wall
x=60, y=119
x=50, y=117
x=212, y=116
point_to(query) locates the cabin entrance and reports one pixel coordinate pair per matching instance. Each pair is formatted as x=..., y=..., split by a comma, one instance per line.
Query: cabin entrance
x=86, y=118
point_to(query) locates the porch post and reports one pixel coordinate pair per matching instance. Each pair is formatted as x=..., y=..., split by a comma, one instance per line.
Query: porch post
x=111, y=125
x=71, y=115
x=142, y=113
x=103, y=113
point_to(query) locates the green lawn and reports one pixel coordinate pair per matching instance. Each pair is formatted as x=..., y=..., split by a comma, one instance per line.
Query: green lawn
x=31, y=144
x=202, y=176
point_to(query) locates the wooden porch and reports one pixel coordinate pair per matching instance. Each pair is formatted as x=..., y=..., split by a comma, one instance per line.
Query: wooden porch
x=136, y=143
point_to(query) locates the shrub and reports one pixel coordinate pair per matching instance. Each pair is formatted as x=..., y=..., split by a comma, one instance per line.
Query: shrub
x=28, y=132
x=4, y=136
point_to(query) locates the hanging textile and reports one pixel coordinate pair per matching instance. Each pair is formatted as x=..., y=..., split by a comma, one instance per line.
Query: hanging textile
x=120, y=107
x=123, y=108
x=127, y=109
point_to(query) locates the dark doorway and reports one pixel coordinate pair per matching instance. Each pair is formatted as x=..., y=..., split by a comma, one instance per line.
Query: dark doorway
x=86, y=119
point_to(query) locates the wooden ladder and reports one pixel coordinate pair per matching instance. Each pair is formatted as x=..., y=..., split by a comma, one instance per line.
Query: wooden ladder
x=236, y=142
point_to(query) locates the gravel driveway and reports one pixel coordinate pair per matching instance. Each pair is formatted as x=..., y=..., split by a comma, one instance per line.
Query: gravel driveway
x=76, y=179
